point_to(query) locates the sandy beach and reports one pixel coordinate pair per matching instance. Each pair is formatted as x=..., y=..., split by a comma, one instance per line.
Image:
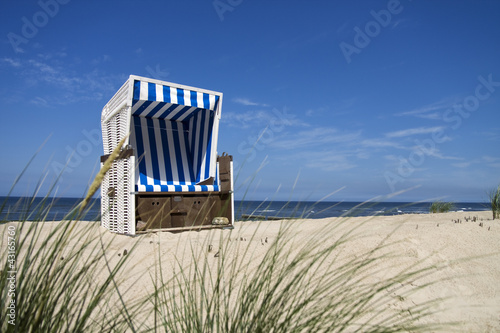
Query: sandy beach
x=464, y=248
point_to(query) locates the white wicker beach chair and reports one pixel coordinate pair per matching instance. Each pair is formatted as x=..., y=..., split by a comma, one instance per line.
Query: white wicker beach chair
x=168, y=177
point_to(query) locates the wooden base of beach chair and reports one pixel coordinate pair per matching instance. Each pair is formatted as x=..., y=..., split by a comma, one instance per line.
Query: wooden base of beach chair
x=181, y=210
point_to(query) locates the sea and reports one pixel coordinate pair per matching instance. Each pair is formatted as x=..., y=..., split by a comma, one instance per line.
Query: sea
x=55, y=209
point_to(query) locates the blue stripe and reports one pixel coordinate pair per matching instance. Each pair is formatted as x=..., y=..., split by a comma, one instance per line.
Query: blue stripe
x=194, y=98
x=186, y=148
x=155, y=109
x=181, y=112
x=216, y=180
x=153, y=151
x=151, y=91
x=168, y=111
x=166, y=94
x=180, y=96
x=166, y=151
x=216, y=102
x=206, y=101
x=140, y=153
x=209, y=144
x=137, y=90
x=143, y=107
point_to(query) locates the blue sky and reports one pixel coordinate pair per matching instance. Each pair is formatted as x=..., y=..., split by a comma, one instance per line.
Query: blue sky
x=371, y=98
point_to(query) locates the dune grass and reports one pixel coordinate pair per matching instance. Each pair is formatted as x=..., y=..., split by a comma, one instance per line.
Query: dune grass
x=494, y=196
x=295, y=287
x=441, y=207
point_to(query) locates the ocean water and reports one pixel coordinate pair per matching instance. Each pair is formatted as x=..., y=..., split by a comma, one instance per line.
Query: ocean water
x=54, y=209
x=319, y=210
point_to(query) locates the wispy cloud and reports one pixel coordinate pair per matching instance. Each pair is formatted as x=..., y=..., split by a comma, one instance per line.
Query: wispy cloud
x=12, y=62
x=247, y=102
x=328, y=161
x=314, y=137
x=380, y=143
x=491, y=161
x=492, y=135
x=436, y=153
x=431, y=111
x=101, y=59
x=71, y=85
x=251, y=119
x=413, y=131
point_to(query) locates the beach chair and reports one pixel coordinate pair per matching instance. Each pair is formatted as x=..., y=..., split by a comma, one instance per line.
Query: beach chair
x=168, y=175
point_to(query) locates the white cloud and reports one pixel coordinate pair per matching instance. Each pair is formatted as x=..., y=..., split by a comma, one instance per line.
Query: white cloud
x=247, y=102
x=413, y=131
x=256, y=119
x=380, y=143
x=71, y=86
x=329, y=162
x=431, y=111
x=314, y=137
x=490, y=159
x=101, y=59
x=38, y=101
x=12, y=62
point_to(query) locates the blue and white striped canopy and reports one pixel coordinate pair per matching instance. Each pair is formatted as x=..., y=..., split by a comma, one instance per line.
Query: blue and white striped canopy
x=160, y=101
x=174, y=133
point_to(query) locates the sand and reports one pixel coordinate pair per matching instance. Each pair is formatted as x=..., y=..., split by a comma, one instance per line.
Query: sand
x=471, y=287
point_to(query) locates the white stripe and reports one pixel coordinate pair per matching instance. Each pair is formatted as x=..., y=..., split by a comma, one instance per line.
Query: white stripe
x=212, y=102
x=163, y=109
x=156, y=188
x=159, y=149
x=199, y=99
x=187, y=114
x=173, y=161
x=187, y=97
x=173, y=113
x=144, y=91
x=137, y=106
x=184, y=159
x=141, y=188
x=159, y=93
x=213, y=148
x=149, y=109
x=196, y=128
x=173, y=95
